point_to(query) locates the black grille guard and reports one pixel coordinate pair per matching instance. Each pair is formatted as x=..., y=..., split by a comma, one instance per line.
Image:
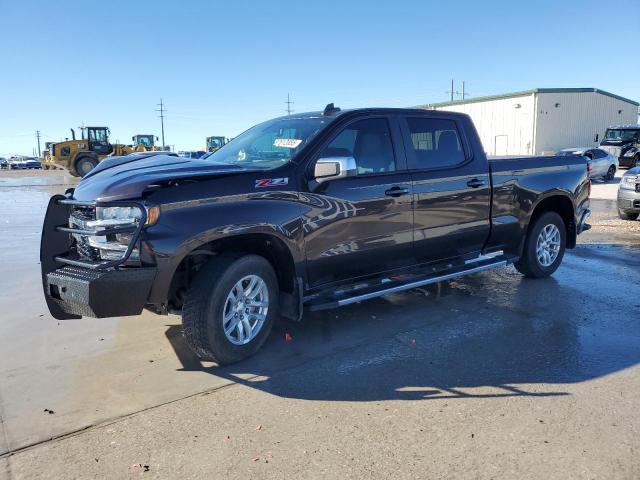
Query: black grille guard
x=134, y=229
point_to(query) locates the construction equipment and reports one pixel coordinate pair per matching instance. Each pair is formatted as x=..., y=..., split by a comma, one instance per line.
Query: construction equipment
x=145, y=143
x=215, y=143
x=81, y=156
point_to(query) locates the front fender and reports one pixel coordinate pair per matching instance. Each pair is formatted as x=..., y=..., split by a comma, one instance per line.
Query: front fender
x=183, y=229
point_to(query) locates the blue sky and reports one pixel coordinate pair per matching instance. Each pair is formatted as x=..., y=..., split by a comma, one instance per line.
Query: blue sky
x=222, y=66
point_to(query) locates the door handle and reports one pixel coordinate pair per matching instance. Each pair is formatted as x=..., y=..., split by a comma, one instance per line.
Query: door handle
x=475, y=183
x=396, y=191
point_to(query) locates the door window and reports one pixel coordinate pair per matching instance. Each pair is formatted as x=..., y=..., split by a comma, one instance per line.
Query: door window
x=435, y=142
x=597, y=153
x=369, y=142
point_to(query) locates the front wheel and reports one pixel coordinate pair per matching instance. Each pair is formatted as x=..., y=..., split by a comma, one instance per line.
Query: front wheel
x=544, y=246
x=84, y=165
x=611, y=173
x=230, y=308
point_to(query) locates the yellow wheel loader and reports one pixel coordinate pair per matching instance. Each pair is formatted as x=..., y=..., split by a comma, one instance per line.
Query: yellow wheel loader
x=81, y=156
x=145, y=143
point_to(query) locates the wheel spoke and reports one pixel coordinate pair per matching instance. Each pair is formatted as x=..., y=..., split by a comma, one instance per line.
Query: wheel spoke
x=247, y=326
x=232, y=326
x=256, y=303
x=240, y=330
x=249, y=289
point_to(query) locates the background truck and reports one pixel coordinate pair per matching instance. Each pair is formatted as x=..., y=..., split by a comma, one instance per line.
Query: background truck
x=623, y=142
x=309, y=211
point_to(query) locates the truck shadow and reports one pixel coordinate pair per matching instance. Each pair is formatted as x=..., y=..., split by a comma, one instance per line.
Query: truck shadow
x=487, y=335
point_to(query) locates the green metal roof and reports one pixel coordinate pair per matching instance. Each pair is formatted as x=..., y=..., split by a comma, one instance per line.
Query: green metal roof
x=528, y=92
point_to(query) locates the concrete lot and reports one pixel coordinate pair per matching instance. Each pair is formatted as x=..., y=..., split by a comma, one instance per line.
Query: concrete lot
x=489, y=376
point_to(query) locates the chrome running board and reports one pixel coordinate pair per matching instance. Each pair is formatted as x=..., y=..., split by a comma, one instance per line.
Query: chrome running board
x=420, y=283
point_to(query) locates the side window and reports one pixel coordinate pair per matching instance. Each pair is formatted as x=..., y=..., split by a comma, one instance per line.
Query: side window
x=597, y=153
x=436, y=142
x=369, y=142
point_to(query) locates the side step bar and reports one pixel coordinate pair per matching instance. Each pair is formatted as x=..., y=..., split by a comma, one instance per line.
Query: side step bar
x=408, y=286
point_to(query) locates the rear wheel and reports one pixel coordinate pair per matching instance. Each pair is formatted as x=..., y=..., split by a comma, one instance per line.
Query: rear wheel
x=230, y=308
x=84, y=165
x=611, y=173
x=544, y=246
x=628, y=215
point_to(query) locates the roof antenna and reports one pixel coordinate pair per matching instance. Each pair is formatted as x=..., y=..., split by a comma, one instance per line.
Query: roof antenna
x=329, y=109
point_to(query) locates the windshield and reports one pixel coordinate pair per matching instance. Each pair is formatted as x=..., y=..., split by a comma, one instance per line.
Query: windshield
x=270, y=144
x=146, y=140
x=621, y=134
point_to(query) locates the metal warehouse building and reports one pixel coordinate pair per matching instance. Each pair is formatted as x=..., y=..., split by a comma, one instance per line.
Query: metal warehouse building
x=543, y=120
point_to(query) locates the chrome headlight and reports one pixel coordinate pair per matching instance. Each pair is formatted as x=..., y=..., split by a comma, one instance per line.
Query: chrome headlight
x=628, y=182
x=122, y=216
x=113, y=246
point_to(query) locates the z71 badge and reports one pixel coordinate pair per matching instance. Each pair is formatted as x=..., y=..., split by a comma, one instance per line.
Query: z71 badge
x=272, y=182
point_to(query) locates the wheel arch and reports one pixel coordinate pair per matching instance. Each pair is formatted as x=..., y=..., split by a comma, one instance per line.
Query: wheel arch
x=561, y=204
x=267, y=245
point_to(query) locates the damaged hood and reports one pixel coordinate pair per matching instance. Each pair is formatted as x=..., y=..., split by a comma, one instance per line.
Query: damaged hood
x=127, y=177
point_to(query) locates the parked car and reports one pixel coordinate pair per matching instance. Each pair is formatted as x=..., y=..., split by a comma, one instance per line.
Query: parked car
x=603, y=164
x=629, y=195
x=32, y=163
x=16, y=162
x=314, y=211
x=4, y=163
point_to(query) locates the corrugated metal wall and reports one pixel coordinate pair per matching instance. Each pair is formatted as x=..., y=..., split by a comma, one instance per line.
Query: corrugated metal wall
x=505, y=125
x=567, y=119
x=532, y=124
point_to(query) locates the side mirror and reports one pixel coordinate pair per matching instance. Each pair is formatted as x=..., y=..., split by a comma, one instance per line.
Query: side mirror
x=332, y=168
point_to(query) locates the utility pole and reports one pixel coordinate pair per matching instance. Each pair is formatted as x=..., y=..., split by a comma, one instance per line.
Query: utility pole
x=463, y=95
x=162, y=112
x=38, y=137
x=289, y=103
x=452, y=89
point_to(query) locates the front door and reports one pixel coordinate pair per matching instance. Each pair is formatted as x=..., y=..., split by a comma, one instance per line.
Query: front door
x=451, y=190
x=361, y=225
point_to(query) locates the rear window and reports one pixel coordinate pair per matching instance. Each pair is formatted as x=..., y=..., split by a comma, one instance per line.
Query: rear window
x=435, y=142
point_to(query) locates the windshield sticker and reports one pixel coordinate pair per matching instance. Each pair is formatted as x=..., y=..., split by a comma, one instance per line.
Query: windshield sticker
x=272, y=182
x=287, y=142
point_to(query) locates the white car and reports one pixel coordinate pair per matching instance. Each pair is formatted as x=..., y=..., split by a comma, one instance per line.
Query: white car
x=603, y=164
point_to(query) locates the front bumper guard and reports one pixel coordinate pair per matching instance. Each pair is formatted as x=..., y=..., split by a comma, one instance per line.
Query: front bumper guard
x=99, y=294
x=75, y=287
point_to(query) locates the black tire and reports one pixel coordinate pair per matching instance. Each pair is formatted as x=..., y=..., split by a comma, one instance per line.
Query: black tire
x=529, y=264
x=628, y=215
x=611, y=173
x=84, y=165
x=203, y=309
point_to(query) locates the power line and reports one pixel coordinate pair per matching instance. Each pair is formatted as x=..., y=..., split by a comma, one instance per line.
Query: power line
x=289, y=103
x=162, y=112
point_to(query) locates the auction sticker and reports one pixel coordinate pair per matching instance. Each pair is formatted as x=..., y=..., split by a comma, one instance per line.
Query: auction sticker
x=287, y=142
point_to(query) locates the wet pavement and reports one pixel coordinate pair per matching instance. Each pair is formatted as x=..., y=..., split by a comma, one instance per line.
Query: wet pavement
x=559, y=347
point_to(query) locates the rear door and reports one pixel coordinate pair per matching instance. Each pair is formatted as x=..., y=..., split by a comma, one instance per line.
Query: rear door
x=361, y=225
x=451, y=189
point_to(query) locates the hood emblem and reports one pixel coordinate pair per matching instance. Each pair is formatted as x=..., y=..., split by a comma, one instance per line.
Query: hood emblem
x=272, y=182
